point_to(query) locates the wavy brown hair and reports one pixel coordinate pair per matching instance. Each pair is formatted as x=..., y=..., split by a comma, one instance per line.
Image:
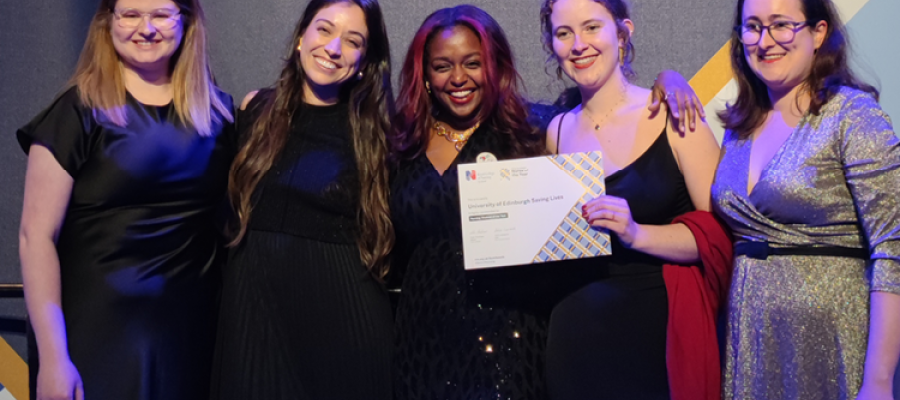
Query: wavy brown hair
x=502, y=107
x=619, y=11
x=101, y=86
x=370, y=105
x=830, y=71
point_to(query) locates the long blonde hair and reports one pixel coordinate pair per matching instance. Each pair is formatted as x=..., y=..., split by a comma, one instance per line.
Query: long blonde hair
x=101, y=85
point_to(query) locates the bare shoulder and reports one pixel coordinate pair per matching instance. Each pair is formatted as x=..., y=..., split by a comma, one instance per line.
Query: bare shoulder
x=553, y=132
x=248, y=98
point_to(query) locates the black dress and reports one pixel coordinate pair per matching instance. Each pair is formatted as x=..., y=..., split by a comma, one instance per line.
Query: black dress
x=450, y=346
x=608, y=337
x=301, y=316
x=137, y=248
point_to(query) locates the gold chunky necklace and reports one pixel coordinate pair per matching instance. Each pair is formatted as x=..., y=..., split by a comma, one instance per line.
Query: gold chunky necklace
x=458, y=139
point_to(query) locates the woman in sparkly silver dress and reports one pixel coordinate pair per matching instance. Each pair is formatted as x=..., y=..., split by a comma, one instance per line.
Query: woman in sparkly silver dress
x=810, y=165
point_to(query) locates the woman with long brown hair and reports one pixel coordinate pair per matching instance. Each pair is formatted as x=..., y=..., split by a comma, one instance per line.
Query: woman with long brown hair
x=304, y=312
x=118, y=242
x=808, y=181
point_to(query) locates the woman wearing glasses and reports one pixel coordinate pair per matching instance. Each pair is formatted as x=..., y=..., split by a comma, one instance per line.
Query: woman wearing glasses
x=117, y=239
x=808, y=181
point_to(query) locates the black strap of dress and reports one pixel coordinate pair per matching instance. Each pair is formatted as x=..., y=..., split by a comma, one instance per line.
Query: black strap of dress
x=559, y=128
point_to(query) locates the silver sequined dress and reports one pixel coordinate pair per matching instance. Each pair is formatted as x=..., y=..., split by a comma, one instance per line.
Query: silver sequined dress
x=798, y=325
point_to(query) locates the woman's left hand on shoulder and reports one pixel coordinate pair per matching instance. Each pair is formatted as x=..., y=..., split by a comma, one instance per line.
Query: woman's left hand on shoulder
x=672, y=88
x=613, y=213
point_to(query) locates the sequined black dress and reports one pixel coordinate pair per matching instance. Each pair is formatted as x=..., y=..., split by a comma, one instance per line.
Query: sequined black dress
x=448, y=345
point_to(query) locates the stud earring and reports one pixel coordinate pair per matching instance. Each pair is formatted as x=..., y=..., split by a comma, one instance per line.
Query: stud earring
x=359, y=75
x=299, y=46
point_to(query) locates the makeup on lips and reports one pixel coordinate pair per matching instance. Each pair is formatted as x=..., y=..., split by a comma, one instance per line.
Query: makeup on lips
x=326, y=65
x=770, y=58
x=584, y=62
x=462, y=96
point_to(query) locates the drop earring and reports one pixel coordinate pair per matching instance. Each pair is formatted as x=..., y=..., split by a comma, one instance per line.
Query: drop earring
x=428, y=87
x=622, y=56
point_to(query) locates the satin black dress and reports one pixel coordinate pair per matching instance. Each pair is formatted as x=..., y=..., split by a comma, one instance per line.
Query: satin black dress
x=301, y=317
x=138, y=246
x=450, y=344
x=607, y=337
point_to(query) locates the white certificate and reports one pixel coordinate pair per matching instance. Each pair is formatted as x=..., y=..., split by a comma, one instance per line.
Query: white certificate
x=528, y=210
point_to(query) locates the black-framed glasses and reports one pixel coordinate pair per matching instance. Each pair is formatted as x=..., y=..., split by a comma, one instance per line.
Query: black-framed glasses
x=162, y=19
x=782, y=32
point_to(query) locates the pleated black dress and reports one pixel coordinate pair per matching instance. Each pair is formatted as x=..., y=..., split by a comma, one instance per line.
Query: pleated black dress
x=450, y=344
x=301, y=316
x=138, y=246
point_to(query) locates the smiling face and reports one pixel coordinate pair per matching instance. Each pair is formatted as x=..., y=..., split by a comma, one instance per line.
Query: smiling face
x=586, y=41
x=455, y=73
x=332, y=50
x=146, y=47
x=781, y=66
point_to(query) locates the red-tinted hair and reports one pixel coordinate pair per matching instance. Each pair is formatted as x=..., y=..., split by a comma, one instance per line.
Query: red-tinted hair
x=502, y=106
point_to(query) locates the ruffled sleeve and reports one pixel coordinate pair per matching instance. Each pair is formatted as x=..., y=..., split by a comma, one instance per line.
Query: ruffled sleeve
x=871, y=159
x=64, y=129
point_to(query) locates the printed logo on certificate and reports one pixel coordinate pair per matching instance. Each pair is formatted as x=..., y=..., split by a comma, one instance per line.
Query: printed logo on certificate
x=528, y=210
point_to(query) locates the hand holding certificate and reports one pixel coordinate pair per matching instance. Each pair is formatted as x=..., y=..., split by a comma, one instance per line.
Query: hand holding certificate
x=529, y=210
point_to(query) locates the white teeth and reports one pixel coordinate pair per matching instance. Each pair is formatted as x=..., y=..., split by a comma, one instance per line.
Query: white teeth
x=583, y=61
x=461, y=94
x=773, y=57
x=326, y=64
x=145, y=43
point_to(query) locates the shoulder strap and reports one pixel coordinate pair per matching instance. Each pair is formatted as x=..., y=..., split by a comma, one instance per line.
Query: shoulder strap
x=559, y=130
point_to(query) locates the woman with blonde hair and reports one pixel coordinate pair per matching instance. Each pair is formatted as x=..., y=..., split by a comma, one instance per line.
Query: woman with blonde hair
x=117, y=241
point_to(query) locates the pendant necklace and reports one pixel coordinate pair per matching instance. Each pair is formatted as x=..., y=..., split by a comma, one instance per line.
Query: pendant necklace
x=605, y=116
x=458, y=139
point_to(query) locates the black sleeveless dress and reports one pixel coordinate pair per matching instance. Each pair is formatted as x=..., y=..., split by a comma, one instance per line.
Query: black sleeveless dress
x=138, y=247
x=449, y=345
x=301, y=317
x=607, y=338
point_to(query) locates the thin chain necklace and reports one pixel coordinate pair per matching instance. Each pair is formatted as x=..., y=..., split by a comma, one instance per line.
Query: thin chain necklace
x=458, y=139
x=605, y=116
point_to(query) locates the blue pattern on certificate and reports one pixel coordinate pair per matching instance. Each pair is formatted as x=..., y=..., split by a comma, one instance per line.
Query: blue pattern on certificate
x=574, y=238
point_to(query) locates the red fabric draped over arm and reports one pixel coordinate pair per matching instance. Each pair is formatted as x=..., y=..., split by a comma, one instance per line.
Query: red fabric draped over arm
x=696, y=293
